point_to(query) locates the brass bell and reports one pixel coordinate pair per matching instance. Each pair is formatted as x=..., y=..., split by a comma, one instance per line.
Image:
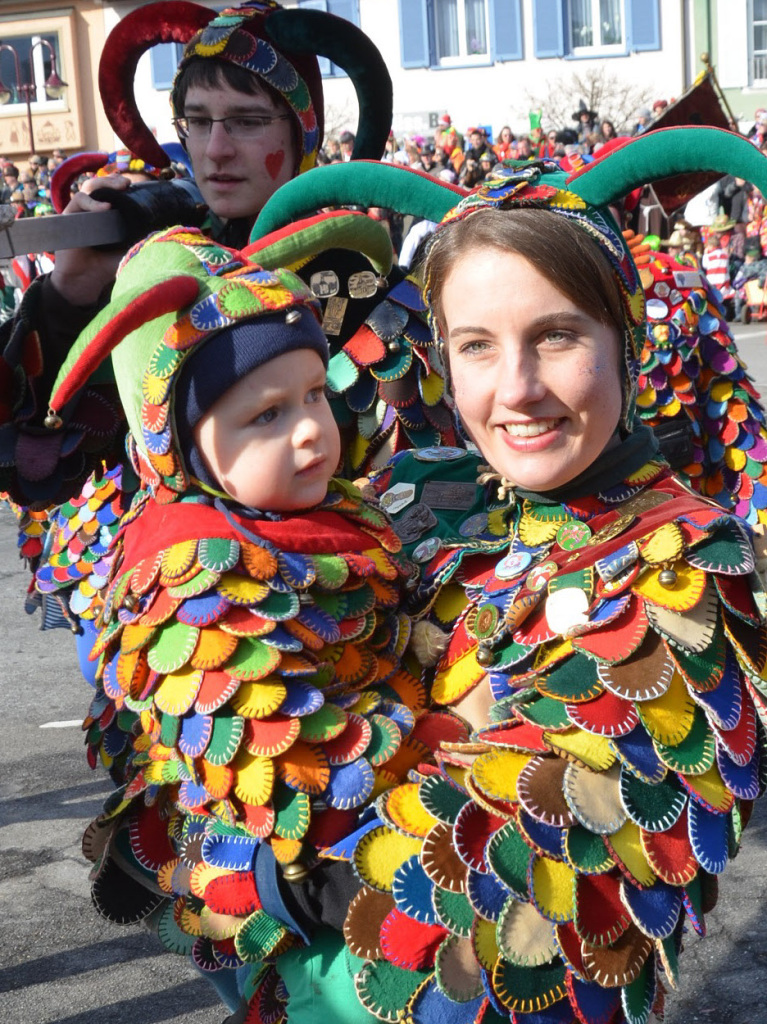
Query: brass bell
x=393, y=346
x=130, y=601
x=53, y=421
x=295, y=872
x=485, y=655
x=667, y=578
x=292, y=316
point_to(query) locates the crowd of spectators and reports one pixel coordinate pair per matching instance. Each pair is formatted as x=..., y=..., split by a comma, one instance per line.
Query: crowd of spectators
x=26, y=185
x=732, y=250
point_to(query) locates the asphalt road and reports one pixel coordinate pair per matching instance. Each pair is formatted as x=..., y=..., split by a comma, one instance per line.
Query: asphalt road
x=61, y=964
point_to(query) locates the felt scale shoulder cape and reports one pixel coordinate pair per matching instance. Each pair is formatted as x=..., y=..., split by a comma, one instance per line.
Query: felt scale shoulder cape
x=544, y=871
x=691, y=371
x=232, y=662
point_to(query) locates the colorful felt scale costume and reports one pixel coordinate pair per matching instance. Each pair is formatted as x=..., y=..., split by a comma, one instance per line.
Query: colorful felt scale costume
x=544, y=870
x=691, y=372
x=251, y=692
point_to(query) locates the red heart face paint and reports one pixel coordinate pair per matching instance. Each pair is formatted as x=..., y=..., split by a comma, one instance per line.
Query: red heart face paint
x=274, y=162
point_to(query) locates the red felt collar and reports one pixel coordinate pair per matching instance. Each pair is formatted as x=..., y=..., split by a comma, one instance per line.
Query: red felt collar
x=317, y=532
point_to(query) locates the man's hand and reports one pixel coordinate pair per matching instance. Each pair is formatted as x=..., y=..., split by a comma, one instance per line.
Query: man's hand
x=80, y=275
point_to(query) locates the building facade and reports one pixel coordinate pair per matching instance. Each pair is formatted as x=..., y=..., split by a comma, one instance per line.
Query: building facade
x=478, y=60
x=39, y=38
x=481, y=61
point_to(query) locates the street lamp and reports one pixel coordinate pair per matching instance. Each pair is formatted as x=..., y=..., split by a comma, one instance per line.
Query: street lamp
x=54, y=86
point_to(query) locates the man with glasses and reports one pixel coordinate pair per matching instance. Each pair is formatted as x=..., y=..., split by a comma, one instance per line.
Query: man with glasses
x=246, y=133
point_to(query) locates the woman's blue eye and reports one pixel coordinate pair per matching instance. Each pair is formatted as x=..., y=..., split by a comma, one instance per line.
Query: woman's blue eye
x=470, y=347
x=557, y=336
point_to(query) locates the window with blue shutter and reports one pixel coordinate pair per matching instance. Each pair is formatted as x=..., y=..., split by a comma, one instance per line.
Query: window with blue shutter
x=506, y=29
x=164, y=60
x=548, y=28
x=644, y=18
x=414, y=37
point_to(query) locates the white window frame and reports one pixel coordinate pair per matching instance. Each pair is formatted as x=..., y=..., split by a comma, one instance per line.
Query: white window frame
x=42, y=103
x=596, y=49
x=463, y=57
x=758, y=57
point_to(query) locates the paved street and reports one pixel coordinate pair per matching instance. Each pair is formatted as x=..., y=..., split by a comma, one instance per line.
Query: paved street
x=60, y=964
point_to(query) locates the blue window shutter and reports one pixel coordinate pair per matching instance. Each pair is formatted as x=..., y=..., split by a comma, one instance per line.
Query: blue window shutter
x=348, y=9
x=326, y=68
x=644, y=18
x=506, y=29
x=414, y=33
x=548, y=28
x=164, y=60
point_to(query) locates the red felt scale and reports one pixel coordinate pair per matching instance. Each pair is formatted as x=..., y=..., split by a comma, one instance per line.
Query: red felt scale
x=216, y=689
x=440, y=727
x=670, y=854
x=232, y=894
x=605, y=715
x=600, y=917
x=408, y=943
x=520, y=735
x=259, y=819
x=619, y=638
x=472, y=831
x=268, y=737
x=351, y=743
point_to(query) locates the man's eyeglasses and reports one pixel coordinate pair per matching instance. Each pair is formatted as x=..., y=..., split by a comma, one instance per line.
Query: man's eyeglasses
x=240, y=126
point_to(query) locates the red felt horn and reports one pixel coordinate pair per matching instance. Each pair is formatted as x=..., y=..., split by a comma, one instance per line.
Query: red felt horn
x=167, y=21
x=69, y=171
x=91, y=350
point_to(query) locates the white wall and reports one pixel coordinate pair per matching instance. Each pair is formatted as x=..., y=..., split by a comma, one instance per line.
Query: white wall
x=731, y=28
x=498, y=95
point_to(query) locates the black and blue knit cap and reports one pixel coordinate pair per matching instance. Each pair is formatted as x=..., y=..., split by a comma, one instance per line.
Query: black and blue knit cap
x=228, y=356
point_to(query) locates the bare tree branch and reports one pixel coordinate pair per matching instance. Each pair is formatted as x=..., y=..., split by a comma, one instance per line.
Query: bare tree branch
x=600, y=88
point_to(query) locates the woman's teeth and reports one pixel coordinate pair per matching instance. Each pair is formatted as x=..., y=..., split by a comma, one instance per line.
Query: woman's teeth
x=530, y=429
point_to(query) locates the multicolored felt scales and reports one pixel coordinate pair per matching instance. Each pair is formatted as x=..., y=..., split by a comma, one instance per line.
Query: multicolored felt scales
x=691, y=372
x=545, y=870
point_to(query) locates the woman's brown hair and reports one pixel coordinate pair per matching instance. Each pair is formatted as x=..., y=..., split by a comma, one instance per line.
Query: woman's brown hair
x=563, y=253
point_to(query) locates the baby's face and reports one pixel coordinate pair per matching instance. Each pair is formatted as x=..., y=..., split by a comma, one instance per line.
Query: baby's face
x=271, y=441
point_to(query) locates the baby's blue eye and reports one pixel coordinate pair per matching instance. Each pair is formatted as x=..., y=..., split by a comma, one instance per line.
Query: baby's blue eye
x=268, y=416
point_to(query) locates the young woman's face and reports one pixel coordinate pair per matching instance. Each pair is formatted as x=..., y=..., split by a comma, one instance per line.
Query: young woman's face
x=536, y=379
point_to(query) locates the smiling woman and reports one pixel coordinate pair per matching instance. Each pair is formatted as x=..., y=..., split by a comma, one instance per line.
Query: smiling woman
x=537, y=380
x=545, y=869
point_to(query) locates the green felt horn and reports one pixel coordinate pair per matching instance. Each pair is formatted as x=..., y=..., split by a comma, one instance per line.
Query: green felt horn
x=306, y=31
x=357, y=183
x=664, y=154
x=339, y=229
